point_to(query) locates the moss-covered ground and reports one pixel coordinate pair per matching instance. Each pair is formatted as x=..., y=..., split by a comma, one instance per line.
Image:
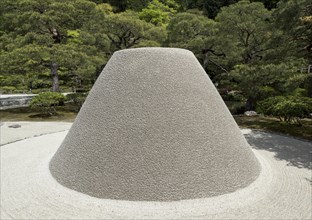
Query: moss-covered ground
x=275, y=125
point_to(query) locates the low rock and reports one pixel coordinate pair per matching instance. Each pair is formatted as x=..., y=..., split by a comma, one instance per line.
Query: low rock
x=15, y=126
x=250, y=113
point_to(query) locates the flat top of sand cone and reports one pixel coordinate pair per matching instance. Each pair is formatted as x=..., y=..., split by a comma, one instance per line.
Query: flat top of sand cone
x=154, y=128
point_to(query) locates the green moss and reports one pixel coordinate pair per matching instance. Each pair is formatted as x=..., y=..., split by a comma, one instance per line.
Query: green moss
x=275, y=125
x=27, y=114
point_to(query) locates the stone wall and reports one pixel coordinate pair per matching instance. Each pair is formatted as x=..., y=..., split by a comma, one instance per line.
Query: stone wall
x=15, y=101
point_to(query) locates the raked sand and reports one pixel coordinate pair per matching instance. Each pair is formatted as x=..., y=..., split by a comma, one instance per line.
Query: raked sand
x=29, y=129
x=282, y=190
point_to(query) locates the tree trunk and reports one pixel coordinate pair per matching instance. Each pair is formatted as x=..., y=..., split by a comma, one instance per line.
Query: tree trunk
x=309, y=84
x=250, y=104
x=55, y=77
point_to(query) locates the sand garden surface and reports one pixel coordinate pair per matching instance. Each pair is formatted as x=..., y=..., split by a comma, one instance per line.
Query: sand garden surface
x=153, y=140
x=282, y=191
x=28, y=130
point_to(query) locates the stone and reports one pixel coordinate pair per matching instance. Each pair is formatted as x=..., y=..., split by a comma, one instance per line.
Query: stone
x=251, y=113
x=15, y=126
x=154, y=128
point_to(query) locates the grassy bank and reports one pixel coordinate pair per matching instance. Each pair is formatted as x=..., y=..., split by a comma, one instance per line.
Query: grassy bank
x=65, y=113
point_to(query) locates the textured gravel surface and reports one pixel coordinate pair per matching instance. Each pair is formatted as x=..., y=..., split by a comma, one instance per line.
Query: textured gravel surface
x=28, y=191
x=154, y=127
x=28, y=130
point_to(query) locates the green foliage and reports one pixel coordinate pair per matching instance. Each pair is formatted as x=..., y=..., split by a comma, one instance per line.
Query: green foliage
x=258, y=82
x=234, y=96
x=47, y=101
x=293, y=20
x=198, y=34
x=212, y=7
x=8, y=89
x=269, y=4
x=104, y=8
x=77, y=98
x=126, y=30
x=289, y=109
x=157, y=13
x=235, y=107
x=147, y=43
x=50, y=37
x=300, y=92
x=186, y=27
x=243, y=31
x=122, y=5
x=248, y=51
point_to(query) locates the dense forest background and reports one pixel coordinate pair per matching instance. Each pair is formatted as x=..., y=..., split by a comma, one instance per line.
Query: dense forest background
x=254, y=51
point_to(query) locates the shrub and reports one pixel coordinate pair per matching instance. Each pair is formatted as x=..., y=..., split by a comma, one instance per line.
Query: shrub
x=288, y=108
x=8, y=89
x=40, y=84
x=47, y=101
x=38, y=91
x=236, y=108
x=266, y=92
x=77, y=98
x=234, y=96
x=267, y=106
x=300, y=92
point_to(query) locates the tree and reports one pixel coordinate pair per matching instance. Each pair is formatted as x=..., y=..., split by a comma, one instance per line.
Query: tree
x=77, y=98
x=290, y=109
x=243, y=32
x=198, y=34
x=258, y=82
x=126, y=30
x=41, y=37
x=269, y=4
x=212, y=7
x=292, y=38
x=123, y=5
x=157, y=13
x=185, y=27
x=47, y=102
x=294, y=21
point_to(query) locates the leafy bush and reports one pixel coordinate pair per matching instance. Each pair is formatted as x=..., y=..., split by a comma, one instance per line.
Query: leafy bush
x=259, y=82
x=8, y=89
x=40, y=83
x=288, y=108
x=41, y=90
x=47, y=101
x=236, y=108
x=300, y=92
x=266, y=92
x=233, y=96
x=77, y=98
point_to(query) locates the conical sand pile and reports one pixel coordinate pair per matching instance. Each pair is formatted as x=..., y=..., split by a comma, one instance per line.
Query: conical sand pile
x=154, y=128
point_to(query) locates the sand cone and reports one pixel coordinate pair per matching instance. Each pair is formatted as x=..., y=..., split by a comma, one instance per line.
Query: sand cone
x=154, y=128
